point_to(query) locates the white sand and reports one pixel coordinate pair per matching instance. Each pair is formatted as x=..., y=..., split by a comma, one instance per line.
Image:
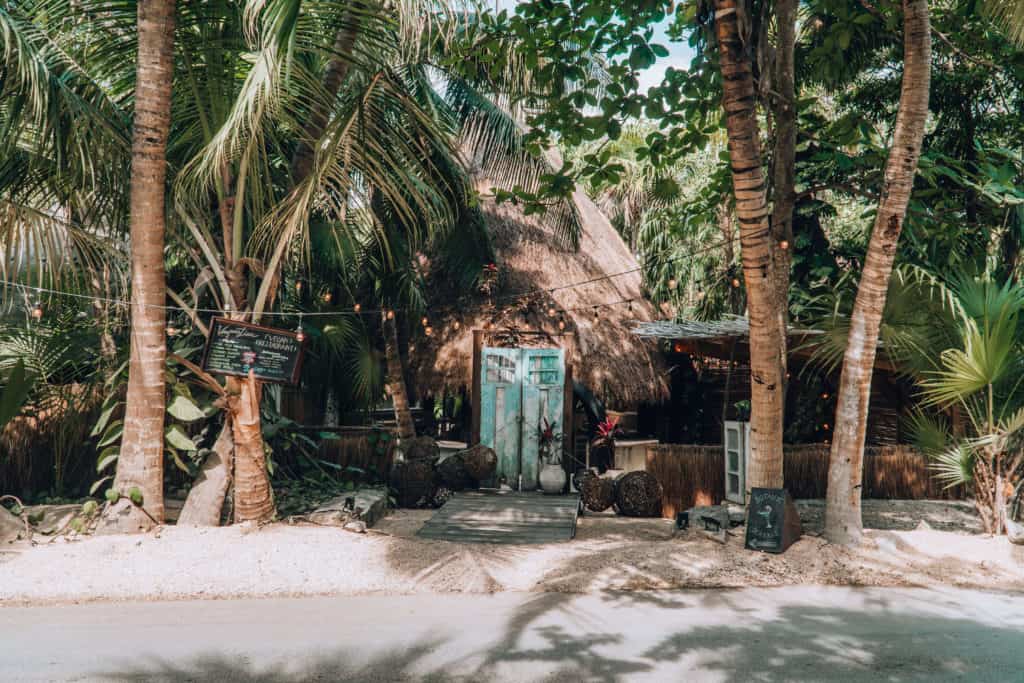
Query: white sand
x=608, y=553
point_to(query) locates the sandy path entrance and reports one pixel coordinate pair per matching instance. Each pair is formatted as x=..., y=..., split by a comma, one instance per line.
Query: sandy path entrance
x=608, y=553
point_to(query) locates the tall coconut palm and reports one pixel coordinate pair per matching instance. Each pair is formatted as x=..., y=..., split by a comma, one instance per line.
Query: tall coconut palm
x=767, y=338
x=140, y=464
x=843, y=522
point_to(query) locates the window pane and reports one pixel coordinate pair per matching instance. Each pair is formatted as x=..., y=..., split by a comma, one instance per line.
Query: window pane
x=734, y=483
x=734, y=461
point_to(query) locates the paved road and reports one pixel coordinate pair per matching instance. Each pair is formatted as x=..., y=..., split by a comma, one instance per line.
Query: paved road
x=784, y=634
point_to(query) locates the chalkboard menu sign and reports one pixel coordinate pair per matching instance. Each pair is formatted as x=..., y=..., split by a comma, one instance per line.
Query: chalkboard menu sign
x=236, y=348
x=773, y=523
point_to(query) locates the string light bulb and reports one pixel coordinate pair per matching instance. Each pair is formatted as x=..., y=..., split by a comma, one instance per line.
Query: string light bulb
x=736, y=282
x=327, y=297
x=37, y=312
x=456, y=325
x=672, y=284
x=561, y=324
x=172, y=331
x=298, y=286
x=552, y=312
x=428, y=330
x=390, y=314
x=783, y=245
x=357, y=307
x=299, y=334
x=424, y=321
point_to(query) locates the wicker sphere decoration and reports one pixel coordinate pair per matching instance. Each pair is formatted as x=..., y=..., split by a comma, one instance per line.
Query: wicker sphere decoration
x=481, y=462
x=421, y=448
x=597, y=493
x=638, y=494
x=453, y=474
x=414, y=482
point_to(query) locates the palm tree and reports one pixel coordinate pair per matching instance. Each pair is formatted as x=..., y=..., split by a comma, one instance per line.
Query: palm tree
x=1009, y=13
x=767, y=337
x=843, y=522
x=140, y=464
x=981, y=375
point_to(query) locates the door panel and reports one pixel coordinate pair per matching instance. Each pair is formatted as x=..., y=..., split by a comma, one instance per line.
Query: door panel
x=500, y=408
x=543, y=397
x=736, y=439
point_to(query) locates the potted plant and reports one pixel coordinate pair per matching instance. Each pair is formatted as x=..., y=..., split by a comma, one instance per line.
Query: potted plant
x=602, y=448
x=552, y=476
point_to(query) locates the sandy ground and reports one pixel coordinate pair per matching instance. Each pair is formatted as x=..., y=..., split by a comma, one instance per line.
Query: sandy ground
x=609, y=553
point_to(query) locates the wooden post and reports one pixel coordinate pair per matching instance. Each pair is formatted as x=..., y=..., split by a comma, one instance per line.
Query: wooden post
x=474, y=391
x=568, y=429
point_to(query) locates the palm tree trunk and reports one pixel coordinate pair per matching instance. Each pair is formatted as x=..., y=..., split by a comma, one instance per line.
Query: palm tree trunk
x=205, y=501
x=253, y=498
x=767, y=343
x=843, y=522
x=784, y=164
x=140, y=464
x=396, y=382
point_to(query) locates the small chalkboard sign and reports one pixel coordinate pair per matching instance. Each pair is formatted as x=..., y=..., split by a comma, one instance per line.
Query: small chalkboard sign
x=237, y=348
x=773, y=523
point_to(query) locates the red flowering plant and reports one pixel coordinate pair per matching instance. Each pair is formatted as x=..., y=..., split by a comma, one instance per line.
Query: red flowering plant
x=488, y=281
x=602, y=448
x=546, y=438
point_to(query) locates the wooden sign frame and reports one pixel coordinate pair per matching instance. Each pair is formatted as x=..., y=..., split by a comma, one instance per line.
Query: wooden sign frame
x=227, y=322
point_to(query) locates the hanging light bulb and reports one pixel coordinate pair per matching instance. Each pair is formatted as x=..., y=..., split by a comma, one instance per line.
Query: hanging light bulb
x=700, y=294
x=561, y=323
x=784, y=245
x=423, y=320
x=428, y=330
x=299, y=334
x=736, y=282
x=390, y=314
x=37, y=312
x=456, y=324
x=357, y=307
x=298, y=286
x=327, y=297
x=672, y=284
x=552, y=312
x=172, y=331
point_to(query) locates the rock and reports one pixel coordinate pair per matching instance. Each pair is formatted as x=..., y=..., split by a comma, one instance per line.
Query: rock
x=11, y=526
x=368, y=505
x=1015, y=532
x=421, y=448
x=453, y=474
x=719, y=513
x=50, y=519
x=356, y=526
x=638, y=494
x=481, y=462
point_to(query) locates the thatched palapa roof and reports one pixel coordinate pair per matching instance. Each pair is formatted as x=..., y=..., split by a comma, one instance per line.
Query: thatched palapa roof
x=605, y=355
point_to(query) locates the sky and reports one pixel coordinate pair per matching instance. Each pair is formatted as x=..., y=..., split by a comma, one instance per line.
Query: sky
x=679, y=55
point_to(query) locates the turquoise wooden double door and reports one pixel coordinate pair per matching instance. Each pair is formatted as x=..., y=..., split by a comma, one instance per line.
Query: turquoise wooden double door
x=519, y=388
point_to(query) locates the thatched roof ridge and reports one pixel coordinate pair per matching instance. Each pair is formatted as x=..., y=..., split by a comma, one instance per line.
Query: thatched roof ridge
x=619, y=367
x=728, y=327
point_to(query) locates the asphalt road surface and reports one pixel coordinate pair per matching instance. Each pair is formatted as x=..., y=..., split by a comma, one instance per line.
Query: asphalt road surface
x=782, y=634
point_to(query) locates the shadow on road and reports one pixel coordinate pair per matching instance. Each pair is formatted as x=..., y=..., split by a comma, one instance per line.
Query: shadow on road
x=653, y=636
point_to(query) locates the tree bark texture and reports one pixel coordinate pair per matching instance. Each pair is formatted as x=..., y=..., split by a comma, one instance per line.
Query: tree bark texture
x=396, y=382
x=843, y=522
x=140, y=464
x=205, y=501
x=253, y=498
x=767, y=343
x=784, y=163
